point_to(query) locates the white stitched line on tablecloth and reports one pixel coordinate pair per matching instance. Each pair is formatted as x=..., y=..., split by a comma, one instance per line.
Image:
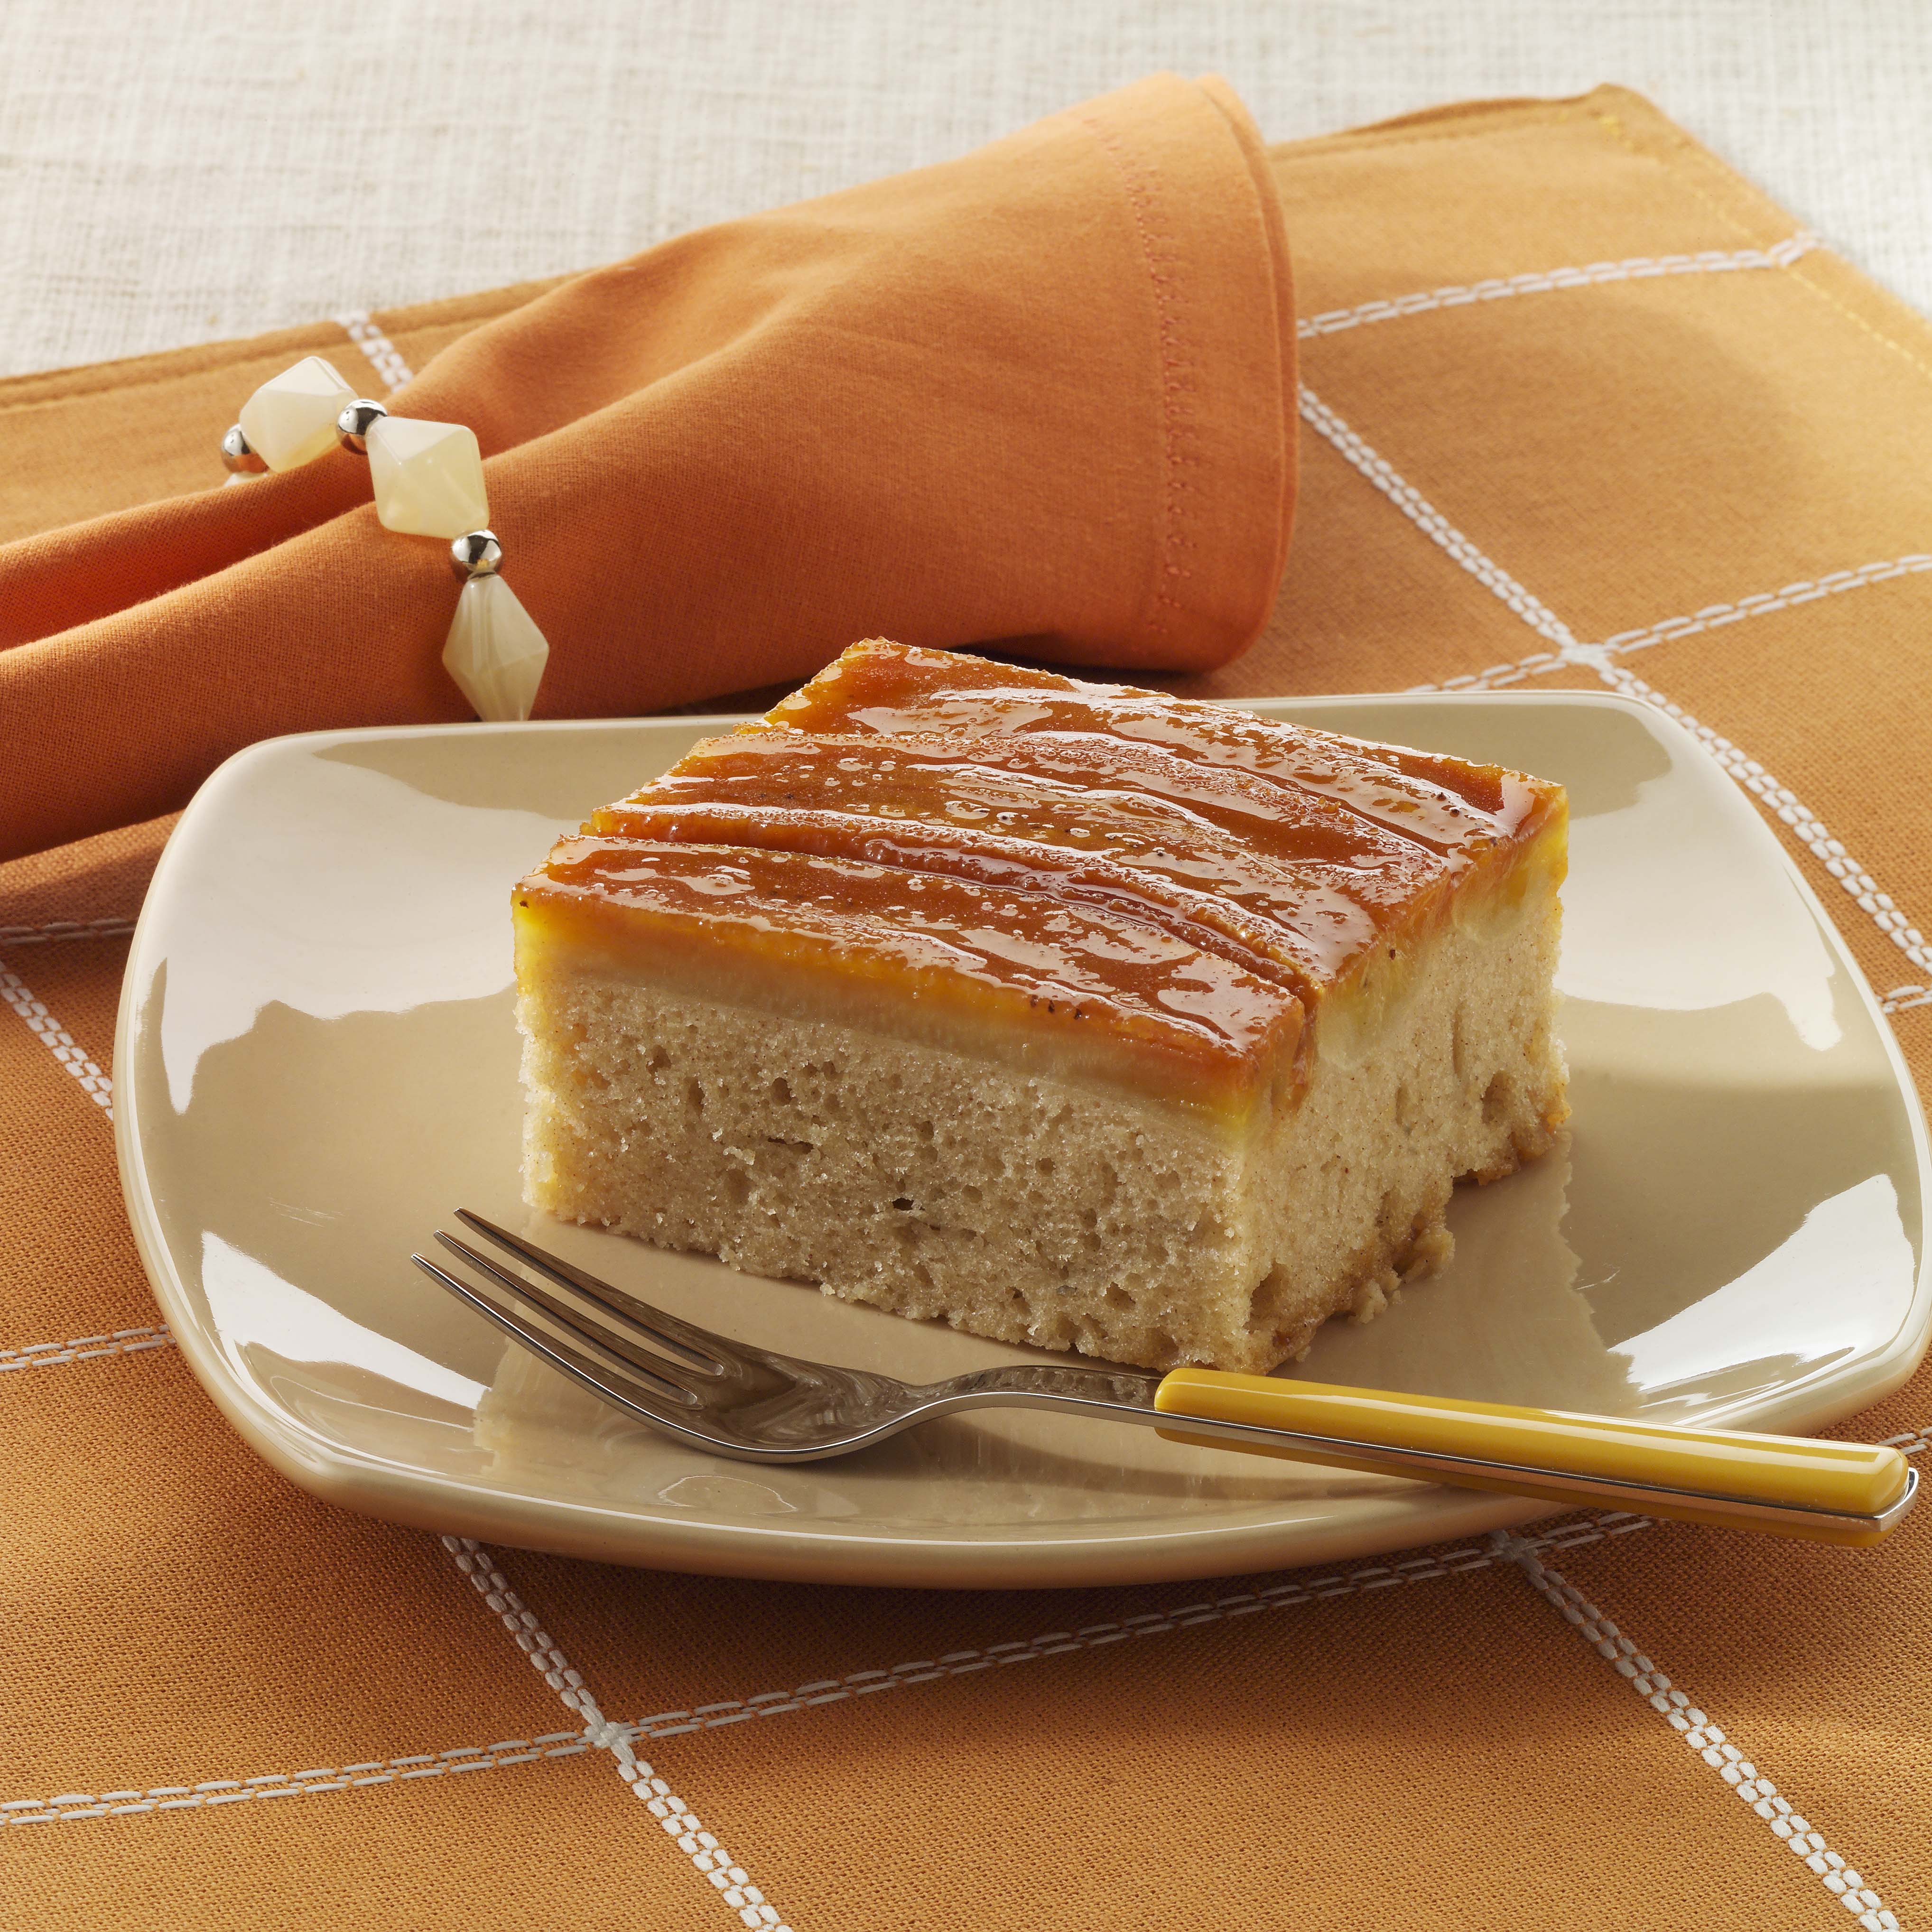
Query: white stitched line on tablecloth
x=1669, y=629
x=84, y=1348
x=491, y=1585
x=64, y=929
x=1902, y=999
x=1372, y=1577
x=532, y=1639
x=71, y=1805
x=1495, y=676
x=1748, y=772
x=384, y=356
x=1706, y=1738
x=1433, y=524
x=1784, y=804
x=55, y=1038
x=1804, y=824
x=720, y=1870
x=1094, y=1636
x=1634, y=268
x=1806, y=590
x=1786, y=807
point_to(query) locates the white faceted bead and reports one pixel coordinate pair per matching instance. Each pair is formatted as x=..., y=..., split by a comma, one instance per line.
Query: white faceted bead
x=496, y=653
x=427, y=477
x=290, y=420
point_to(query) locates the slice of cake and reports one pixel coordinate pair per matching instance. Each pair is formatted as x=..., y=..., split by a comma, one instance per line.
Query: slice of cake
x=1070, y=1014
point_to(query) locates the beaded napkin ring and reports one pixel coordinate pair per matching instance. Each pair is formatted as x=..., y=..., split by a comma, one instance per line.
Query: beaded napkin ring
x=428, y=481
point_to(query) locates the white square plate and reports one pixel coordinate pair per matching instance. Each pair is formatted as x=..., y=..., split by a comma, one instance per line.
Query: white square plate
x=316, y=1062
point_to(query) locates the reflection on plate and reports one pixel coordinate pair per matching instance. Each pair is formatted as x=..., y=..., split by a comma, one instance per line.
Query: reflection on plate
x=317, y=1062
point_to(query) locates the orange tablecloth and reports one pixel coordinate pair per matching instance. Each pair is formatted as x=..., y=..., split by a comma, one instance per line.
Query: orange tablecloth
x=1585, y=408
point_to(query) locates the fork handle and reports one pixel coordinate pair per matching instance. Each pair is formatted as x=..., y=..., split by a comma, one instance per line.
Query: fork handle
x=1843, y=1493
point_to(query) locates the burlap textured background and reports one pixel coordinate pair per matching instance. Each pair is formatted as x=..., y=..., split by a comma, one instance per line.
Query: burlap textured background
x=1583, y=407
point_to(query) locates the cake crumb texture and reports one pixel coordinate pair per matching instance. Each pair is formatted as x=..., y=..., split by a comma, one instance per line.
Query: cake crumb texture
x=1037, y=1210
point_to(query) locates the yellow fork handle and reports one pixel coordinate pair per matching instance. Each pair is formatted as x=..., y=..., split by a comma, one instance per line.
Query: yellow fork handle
x=1722, y=1467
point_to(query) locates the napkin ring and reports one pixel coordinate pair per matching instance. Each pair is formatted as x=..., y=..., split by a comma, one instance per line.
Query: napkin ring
x=427, y=477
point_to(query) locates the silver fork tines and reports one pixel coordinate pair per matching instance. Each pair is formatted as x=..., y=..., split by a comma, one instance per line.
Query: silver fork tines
x=727, y=1396
x=604, y=1363
x=611, y=1335
x=698, y=1346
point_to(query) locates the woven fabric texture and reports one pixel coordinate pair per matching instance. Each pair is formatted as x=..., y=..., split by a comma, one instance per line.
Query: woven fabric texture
x=1542, y=343
x=173, y=175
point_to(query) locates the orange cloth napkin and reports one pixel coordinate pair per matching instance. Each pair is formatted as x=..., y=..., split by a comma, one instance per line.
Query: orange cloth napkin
x=1043, y=393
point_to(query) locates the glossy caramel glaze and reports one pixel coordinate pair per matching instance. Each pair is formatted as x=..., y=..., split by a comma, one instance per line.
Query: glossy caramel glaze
x=950, y=836
x=1082, y=981
x=1459, y=809
x=1285, y=876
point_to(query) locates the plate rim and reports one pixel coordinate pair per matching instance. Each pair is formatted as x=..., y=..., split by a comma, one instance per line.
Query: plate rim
x=1066, y=1555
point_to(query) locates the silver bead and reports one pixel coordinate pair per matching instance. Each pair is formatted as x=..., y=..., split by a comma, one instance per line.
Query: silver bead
x=240, y=459
x=476, y=554
x=352, y=427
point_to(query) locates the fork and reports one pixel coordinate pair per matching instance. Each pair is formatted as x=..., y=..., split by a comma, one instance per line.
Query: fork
x=755, y=1406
